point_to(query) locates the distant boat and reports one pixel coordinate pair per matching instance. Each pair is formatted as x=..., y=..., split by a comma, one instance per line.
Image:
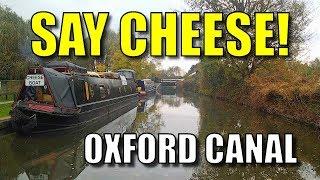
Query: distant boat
x=146, y=86
x=62, y=95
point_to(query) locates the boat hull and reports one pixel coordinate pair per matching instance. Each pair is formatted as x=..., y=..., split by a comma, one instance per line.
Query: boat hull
x=35, y=122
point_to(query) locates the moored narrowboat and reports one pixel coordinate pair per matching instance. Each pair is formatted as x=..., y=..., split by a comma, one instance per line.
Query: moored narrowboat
x=145, y=87
x=62, y=95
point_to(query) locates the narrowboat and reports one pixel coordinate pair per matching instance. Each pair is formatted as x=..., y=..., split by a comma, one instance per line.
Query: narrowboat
x=145, y=86
x=62, y=96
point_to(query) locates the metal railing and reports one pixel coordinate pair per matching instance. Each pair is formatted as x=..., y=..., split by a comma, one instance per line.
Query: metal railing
x=9, y=89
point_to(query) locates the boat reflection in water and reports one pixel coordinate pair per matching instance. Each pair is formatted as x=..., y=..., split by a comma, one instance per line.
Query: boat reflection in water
x=146, y=102
x=53, y=157
x=148, y=119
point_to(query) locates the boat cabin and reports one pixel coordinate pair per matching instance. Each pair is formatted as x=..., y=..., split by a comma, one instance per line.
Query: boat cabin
x=62, y=95
x=63, y=84
x=128, y=73
x=66, y=67
x=145, y=85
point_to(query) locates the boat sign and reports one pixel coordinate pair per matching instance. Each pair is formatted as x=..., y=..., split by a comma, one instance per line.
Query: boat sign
x=34, y=80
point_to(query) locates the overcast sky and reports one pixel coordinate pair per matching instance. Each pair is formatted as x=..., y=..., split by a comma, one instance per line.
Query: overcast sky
x=26, y=8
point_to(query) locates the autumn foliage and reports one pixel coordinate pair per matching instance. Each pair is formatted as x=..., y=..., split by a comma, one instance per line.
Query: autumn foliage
x=286, y=88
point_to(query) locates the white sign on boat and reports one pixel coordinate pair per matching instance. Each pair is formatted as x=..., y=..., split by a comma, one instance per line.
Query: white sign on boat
x=34, y=80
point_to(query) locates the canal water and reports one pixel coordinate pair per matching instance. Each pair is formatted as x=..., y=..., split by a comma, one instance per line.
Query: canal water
x=61, y=156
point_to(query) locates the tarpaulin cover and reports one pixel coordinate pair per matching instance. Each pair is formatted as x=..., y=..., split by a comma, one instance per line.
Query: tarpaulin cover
x=60, y=87
x=71, y=66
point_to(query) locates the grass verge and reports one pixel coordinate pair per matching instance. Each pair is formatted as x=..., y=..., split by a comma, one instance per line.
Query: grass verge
x=5, y=109
x=9, y=98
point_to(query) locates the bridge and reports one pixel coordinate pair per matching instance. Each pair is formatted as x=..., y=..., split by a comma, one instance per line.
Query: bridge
x=170, y=82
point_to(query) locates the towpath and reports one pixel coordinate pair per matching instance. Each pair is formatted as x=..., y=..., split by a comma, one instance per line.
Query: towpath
x=6, y=102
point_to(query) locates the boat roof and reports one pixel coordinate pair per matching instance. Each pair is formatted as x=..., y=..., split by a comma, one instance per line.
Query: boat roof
x=74, y=67
x=126, y=70
x=109, y=74
x=93, y=74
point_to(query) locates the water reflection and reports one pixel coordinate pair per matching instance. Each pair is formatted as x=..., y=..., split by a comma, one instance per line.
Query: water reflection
x=156, y=115
x=171, y=112
x=52, y=157
x=148, y=119
x=147, y=102
x=223, y=118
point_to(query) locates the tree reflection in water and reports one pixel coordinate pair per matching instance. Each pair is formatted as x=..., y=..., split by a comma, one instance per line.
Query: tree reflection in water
x=224, y=118
x=171, y=100
x=148, y=119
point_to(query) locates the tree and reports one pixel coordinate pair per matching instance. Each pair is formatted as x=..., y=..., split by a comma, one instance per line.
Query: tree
x=297, y=34
x=172, y=72
x=143, y=66
x=112, y=46
x=15, y=49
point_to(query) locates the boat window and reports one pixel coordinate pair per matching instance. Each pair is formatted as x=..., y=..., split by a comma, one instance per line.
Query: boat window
x=39, y=94
x=81, y=92
x=129, y=89
x=91, y=90
x=103, y=92
x=87, y=91
x=43, y=95
x=108, y=91
x=124, y=89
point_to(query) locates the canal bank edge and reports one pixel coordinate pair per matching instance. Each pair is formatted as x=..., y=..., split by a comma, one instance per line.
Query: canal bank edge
x=4, y=122
x=302, y=118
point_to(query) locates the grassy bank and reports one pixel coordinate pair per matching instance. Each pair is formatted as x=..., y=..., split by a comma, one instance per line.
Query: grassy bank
x=3, y=98
x=5, y=109
x=300, y=110
x=289, y=89
x=5, y=105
